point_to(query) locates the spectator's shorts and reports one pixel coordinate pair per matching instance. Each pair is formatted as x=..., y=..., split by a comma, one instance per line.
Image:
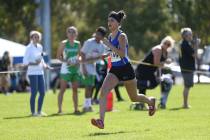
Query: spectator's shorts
x=188, y=79
x=70, y=77
x=88, y=80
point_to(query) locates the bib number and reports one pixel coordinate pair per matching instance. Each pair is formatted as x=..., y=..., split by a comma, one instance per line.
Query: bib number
x=73, y=60
x=115, y=57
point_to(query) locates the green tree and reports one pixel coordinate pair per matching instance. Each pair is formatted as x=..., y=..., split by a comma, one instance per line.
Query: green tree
x=146, y=23
x=17, y=19
x=194, y=14
x=67, y=13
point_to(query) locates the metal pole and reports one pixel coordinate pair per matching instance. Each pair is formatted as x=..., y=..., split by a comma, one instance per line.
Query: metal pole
x=46, y=24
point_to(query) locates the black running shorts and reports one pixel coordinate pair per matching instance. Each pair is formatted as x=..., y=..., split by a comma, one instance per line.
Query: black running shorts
x=123, y=73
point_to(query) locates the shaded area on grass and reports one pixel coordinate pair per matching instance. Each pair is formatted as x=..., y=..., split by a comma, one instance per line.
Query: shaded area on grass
x=51, y=115
x=176, y=108
x=107, y=133
x=17, y=117
x=65, y=114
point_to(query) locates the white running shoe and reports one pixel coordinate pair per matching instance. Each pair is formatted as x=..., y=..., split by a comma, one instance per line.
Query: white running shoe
x=34, y=115
x=41, y=114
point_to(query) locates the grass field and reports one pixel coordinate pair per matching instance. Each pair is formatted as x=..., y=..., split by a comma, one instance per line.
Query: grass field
x=174, y=123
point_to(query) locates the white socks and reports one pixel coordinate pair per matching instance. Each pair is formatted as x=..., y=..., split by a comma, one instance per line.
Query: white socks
x=87, y=103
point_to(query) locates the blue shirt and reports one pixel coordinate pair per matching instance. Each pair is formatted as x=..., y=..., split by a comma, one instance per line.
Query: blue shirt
x=115, y=58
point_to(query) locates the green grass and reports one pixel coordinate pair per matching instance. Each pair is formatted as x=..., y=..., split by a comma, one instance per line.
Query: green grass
x=173, y=123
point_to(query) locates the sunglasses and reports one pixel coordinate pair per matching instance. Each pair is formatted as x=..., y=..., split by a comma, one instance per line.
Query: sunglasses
x=35, y=36
x=71, y=32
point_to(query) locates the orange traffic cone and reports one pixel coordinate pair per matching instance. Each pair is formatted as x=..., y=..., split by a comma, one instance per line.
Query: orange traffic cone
x=109, y=103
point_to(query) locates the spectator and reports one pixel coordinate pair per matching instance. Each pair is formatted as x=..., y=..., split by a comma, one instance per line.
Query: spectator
x=101, y=70
x=166, y=85
x=68, y=53
x=33, y=59
x=187, y=62
x=91, y=51
x=23, y=83
x=13, y=81
x=5, y=65
x=148, y=76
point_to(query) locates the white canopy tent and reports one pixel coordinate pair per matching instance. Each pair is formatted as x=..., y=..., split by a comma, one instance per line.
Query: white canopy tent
x=15, y=50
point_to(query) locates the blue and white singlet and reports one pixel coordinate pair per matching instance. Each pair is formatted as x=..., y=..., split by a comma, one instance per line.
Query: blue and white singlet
x=115, y=58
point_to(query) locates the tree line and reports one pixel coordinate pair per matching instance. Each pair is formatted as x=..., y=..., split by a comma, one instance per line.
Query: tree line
x=147, y=22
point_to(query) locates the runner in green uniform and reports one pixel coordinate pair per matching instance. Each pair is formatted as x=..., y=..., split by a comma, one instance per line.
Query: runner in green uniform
x=68, y=53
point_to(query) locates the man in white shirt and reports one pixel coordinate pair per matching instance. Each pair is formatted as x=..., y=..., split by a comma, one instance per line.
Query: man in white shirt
x=92, y=50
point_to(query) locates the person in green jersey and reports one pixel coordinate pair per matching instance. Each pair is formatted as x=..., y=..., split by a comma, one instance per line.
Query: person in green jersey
x=69, y=53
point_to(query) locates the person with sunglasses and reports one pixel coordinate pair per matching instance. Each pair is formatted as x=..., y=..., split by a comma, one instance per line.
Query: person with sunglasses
x=121, y=69
x=147, y=72
x=187, y=61
x=68, y=53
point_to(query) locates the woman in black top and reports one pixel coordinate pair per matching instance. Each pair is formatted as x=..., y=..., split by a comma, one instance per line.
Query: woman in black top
x=147, y=73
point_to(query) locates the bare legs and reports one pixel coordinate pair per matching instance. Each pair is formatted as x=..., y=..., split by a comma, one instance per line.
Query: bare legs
x=110, y=82
x=185, y=97
x=63, y=86
x=134, y=96
x=188, y=83
x=75, y=95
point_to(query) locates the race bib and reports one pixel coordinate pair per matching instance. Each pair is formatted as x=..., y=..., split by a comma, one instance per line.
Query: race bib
x=73, y=60
x=115, y=57
x=64, y=69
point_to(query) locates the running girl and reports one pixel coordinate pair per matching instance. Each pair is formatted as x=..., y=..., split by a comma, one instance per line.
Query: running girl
x=121, y=68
